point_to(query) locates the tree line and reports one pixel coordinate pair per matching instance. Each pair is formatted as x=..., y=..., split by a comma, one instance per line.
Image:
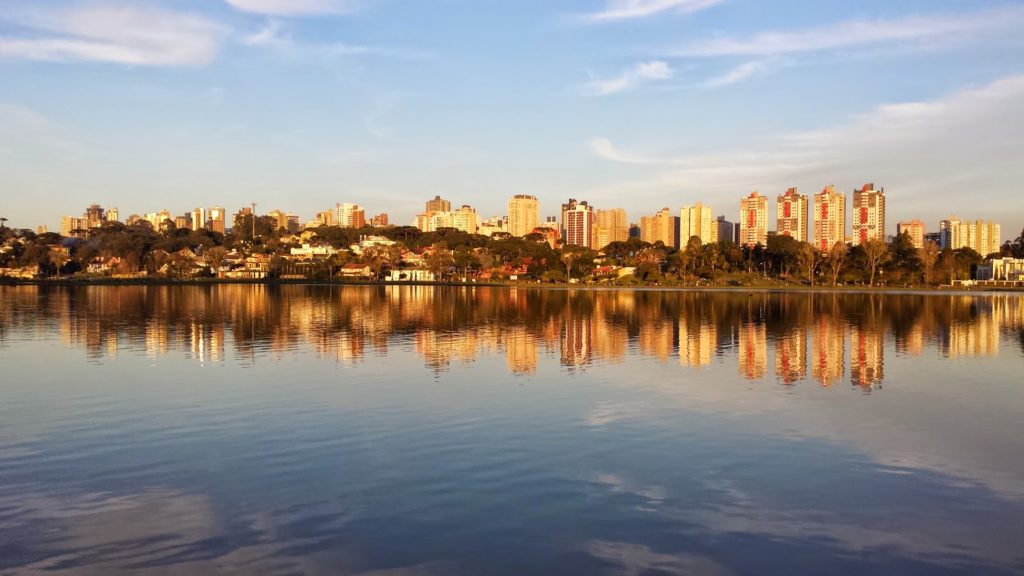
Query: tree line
x=454, y=254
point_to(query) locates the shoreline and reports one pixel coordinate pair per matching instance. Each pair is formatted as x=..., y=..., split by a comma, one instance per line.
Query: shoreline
x=69, y=282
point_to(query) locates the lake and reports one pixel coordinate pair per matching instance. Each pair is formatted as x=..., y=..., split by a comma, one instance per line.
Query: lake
x=412, y=430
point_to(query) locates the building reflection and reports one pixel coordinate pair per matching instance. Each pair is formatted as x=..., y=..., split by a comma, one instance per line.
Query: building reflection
x=809, y=333
x=753, y=350
x=866, y=357
x=791, y=356
x=829, y=352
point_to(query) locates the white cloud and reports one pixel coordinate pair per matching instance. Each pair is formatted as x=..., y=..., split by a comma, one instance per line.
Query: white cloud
x=603, y=148
x=964, y=148
x=737, y=74
x=271, y=34
x=643, y=72
x=292, y=7
x=142, y=36
x=631, y=9
x=859, y=33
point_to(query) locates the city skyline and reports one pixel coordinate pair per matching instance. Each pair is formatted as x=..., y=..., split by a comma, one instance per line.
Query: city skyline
x=381, y=104
x=581, y=224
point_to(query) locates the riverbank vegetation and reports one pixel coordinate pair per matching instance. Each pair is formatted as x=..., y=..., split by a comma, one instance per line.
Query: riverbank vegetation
x=138, y=251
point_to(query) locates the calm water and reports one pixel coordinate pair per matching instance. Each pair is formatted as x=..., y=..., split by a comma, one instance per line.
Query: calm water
x=412, y=431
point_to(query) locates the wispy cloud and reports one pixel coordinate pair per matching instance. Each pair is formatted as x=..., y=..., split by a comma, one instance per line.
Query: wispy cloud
x=276, y=35
x=968, y=141
x=292, y=7
x=639, y=74
x=271, y=34
x=632, y=9
x=603, y=148
x=738, y=74
x=124, y=34
x=858, y=33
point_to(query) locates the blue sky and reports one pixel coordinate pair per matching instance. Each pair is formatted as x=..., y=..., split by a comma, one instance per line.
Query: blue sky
x=640, y=104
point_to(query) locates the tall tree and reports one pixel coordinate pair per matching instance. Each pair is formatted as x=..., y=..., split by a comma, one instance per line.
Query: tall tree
x=929, y=255
x=836, y=259
x=809, y=260
x=877, y=253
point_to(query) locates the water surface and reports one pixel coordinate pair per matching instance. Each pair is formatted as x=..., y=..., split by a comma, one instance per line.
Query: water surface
x=418, y=430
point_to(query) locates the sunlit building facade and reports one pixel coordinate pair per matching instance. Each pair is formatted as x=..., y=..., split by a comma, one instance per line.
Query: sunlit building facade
x=791, y=215
x=754, y=220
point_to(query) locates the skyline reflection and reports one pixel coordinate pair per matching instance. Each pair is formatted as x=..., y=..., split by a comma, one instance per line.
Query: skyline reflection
x=821, y=337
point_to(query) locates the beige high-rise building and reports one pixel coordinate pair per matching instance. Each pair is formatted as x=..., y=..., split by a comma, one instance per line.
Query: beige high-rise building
x=980, y=236
x=217, y=219
x=523, y=214
x=156, y=219
x=662, y=227
x=913, y=228
x=438, y=204
x=829, y=218
x=697, y=220
x=198, y=218
x=868, y=214
x=754, y=220
x=791, y=215
x=610, y=226
x=464, y=219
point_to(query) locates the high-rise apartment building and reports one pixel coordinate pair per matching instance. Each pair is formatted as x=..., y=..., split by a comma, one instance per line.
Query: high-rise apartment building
x=217, y=218
x=93, y=217
x=662, y=227
x=380, y=220
x=980, y=236
x=610, y=226
x=577, y=223
x=914, y=229
x=791, y=215
x=697, y=220
x=198, y=217
x=868, y=214
x=495, y=225
x=464, y=219
x=438, y=204
x=727, y=230
x=754, y=220
x=523, y=214
x=350, y=215
x=156, y=219
x=829, y=218
x=112, y=215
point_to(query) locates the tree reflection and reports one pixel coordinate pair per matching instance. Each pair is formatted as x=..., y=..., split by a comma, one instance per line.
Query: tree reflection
x=800, y=335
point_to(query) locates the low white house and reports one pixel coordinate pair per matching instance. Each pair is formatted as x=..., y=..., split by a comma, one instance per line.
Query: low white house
x=409, y=275
x=309, y=252
x=1001, y=269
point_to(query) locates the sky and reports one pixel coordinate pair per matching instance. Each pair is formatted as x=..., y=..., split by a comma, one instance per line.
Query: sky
x=637, y=104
